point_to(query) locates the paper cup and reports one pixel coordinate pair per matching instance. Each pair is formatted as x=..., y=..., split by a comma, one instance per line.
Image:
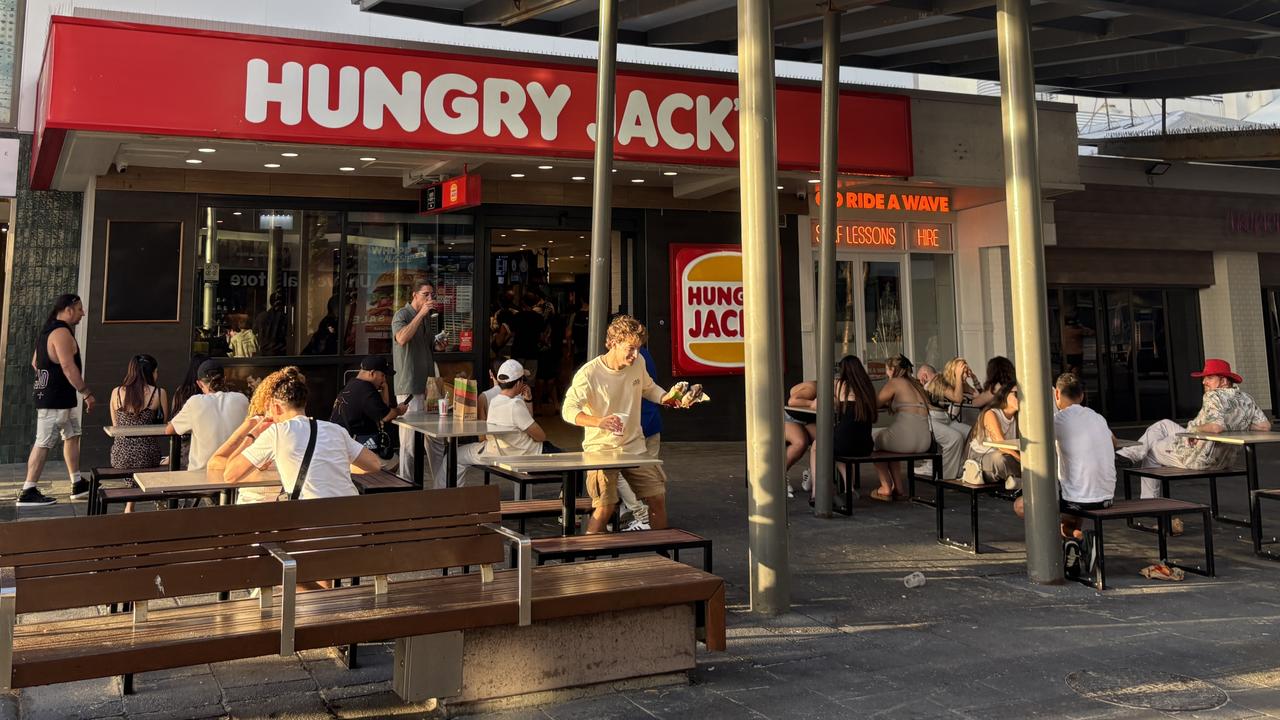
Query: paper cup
x=623, y=417
x=444, y=406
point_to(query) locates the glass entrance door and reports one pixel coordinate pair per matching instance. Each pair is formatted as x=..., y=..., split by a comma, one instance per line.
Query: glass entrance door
x=869, y=311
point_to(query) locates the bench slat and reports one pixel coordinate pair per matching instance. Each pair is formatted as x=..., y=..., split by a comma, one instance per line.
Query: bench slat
x=514, y=509
x=1138, y=508
x=1171, y=473
x=190, y=635
x=68, y=533
x=604, y=542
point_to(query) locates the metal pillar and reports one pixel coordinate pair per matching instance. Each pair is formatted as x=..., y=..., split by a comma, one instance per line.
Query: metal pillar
x=827, y=261
x=1031, y=337
x=602, y=180
x=758, y=170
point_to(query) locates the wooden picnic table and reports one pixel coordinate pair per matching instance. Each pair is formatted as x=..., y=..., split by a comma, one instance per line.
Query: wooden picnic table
x=446, y=428
x=153, y=430
x=197, y=480
x=572, y=468
x=1249, y=440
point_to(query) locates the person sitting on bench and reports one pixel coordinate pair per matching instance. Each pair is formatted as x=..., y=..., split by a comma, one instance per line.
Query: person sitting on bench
x=1225, y=408
x=998, y=423
x=283, y=437
x=211, y=417
x=1086, y=469
x=508, y=407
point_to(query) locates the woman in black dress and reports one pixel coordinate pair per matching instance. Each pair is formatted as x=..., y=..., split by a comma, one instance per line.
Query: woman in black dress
x=855, y=401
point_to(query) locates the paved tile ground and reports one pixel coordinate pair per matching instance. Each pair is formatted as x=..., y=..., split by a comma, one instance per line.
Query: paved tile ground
x=977, y=641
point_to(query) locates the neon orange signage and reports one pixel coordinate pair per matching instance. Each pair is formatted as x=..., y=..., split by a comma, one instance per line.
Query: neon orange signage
x=908, y=201
x=863, y=235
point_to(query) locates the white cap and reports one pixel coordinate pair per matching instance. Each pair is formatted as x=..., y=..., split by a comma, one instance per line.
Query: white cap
x=511, y=370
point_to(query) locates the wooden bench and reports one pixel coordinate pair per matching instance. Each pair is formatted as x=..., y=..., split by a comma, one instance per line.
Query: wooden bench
x=381, y=481
x=995, y=489
x=618, y=543
x=67, y=563
x=1168, y=475
x=119, y=496
x=1164, y=510
x=853, y=469
x=1255, y=532
x=98, y=474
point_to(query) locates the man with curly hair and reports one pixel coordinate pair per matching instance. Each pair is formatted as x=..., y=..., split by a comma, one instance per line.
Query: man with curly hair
x=605, y=399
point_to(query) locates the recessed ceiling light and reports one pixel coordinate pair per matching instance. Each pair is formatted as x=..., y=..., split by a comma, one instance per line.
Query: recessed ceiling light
x=517, y=175
x=814, y=181
x=219, y=222
x=671, y=173
x=637, y=180
x=577, y=178
x=546, y=167
x=504, y=234
x=779, y=187
x=368, y=159
x=524, y=246
x=206, y=150
x=237, y=213
x=271, y=165
x=614, y=170
x=193, y=161
x=347, y=169
x=551, y=242
x=571, y=257
x=582, y=237
x=288, y=154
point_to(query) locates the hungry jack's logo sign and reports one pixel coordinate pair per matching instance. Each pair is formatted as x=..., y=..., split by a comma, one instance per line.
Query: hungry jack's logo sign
x=707, y=332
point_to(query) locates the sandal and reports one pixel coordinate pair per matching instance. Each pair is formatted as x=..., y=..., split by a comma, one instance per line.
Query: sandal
x=877, y=495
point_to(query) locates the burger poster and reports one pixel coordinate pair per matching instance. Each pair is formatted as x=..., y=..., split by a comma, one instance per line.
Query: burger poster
x=707, y=308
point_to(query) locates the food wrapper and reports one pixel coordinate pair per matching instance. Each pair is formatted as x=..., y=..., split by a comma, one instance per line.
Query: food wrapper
x=684, y=395
x=466, y=404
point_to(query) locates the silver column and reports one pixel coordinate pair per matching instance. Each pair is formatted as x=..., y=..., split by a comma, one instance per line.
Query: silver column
x=602, y=180
x=1031, y=338
x=827, y=261
x=758, y=165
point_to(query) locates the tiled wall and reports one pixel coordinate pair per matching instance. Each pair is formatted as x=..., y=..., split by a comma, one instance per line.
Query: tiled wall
x=45, y=262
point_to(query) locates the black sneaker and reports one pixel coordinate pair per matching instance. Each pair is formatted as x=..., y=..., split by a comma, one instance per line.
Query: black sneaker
x=32, y=497
x=80, y=489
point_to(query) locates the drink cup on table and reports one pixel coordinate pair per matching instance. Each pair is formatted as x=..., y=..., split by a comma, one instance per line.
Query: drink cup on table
x=444, y=406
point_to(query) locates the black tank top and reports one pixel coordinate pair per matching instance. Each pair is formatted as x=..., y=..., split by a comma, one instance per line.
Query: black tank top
x=52, y=389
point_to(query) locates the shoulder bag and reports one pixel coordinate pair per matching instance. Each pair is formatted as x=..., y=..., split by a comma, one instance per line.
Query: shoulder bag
x=306, y=464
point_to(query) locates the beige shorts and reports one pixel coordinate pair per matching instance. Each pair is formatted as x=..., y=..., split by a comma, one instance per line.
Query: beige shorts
x=55, y=425
x=646, y=482
x=653, y=447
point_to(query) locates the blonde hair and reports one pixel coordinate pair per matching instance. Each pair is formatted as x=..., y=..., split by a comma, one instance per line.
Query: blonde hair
x=623, y=328
x=279, y=385
x=945, y=381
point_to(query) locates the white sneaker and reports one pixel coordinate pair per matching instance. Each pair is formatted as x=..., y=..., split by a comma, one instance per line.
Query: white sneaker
x=636, y=525
x=971, y=473
x=791, y=492
x=804, y=481
x=1013, y=483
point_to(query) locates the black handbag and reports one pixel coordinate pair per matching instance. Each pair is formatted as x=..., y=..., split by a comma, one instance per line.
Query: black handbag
x=306, y=464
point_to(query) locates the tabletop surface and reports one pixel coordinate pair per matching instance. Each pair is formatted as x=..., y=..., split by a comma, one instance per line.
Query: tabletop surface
x=559, y=462
x=200, y=479
x=1002, y=444
x=447, y=427
x=152, y=430
x=1246, y=437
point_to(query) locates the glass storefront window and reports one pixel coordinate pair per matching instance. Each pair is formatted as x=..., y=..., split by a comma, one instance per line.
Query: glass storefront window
x=933, y=309
x=284, y=282
x=386, y=254
x=882, y=305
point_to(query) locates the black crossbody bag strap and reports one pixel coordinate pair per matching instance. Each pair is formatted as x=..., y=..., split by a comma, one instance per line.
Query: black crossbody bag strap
x=306, y=461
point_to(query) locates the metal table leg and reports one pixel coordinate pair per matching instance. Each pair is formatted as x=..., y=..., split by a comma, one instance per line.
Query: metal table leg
x=175, y=452
x=569, y=497
x=419, y=458
x=451, y=464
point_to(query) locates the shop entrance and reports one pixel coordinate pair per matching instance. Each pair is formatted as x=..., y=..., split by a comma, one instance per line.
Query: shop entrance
x=1270, y=303
x=869, y=310
x=540, y=282
x=1135, y=349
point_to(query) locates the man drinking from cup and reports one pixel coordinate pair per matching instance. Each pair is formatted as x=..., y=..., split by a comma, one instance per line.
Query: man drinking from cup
x=605, y=399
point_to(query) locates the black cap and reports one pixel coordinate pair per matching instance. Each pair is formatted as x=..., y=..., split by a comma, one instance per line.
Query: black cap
x=209, y=370
x=377, y=363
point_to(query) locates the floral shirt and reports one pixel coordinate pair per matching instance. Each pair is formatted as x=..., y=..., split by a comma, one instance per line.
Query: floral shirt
x=1231, y=408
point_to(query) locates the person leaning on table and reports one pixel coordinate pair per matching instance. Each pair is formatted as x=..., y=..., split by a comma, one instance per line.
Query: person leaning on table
x=281, y=437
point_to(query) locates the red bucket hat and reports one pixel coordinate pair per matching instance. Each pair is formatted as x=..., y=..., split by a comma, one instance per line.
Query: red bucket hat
x=1215, y=366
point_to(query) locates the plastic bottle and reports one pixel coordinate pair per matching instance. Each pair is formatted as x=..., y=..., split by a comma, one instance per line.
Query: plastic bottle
x=914, y=580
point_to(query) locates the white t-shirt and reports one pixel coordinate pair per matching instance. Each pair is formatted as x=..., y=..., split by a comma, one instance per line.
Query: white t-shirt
x=286, y=443
x=598, y=391
x=210, y=419
x=1086, y=456
x=511, y=411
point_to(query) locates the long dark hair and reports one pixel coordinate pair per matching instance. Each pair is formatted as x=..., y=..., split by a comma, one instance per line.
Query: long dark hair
x=141, y=373
x=188, y=389
x=62, y=302
x=852, y=376
x=1000, y=373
